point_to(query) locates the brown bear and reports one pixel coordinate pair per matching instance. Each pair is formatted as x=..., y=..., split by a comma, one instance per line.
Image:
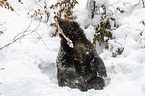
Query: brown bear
x=78, y=67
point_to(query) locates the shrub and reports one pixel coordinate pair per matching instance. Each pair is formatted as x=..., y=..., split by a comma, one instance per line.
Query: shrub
x=107, y=22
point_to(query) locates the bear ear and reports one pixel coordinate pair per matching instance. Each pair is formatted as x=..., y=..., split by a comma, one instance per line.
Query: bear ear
x=75, y=24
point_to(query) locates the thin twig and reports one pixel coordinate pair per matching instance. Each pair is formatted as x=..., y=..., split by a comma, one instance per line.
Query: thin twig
x=2, y=24
x=23, y=35
x=3, y=30
x=42, y=40
x=23, y=31
x=37, y=3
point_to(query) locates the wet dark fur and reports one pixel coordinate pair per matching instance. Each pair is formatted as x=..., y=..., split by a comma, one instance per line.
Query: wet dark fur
x=78, y=67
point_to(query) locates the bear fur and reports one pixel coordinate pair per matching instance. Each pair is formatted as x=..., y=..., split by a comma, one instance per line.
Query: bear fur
x=78, y=67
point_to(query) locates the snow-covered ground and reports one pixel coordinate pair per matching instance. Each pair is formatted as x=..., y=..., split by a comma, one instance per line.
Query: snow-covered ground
x=27, y=67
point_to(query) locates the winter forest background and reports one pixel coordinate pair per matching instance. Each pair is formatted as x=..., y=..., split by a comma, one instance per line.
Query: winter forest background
x=29, y=45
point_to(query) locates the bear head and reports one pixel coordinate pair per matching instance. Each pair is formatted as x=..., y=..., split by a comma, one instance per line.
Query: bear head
x=71, y=29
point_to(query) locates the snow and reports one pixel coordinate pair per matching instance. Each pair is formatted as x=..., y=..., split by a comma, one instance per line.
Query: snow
x=27, y=67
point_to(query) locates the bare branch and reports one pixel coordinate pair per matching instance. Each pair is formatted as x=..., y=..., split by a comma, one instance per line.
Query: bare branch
x=23, y=35
x=42, y=40
x=24, y=31
x=2, y=24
